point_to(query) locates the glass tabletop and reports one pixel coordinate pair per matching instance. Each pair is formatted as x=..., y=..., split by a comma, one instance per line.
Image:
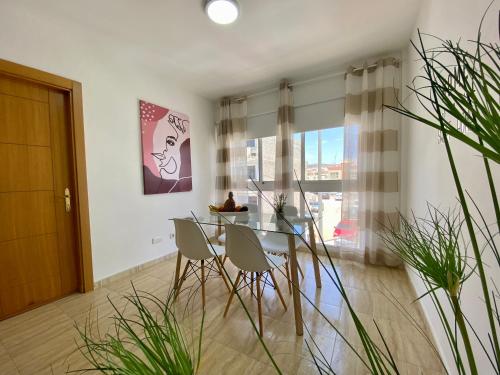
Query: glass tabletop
x=296, y=225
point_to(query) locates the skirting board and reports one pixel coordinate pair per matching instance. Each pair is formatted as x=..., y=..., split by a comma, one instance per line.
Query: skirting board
x=428, y=318
x=133, y=270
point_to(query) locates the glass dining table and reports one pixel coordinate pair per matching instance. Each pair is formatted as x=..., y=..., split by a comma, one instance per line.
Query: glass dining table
x=291, y=227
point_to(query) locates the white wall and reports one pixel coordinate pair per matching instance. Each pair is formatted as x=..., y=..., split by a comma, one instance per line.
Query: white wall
x=123, y=220
x=427, y=175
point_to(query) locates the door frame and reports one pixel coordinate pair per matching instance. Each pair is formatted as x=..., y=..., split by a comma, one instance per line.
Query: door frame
x=74, y=89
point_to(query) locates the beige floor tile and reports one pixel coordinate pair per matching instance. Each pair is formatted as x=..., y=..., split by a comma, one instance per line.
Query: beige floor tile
x=141, y=282
x=7, y=365
x=361, y=300
x=34, y=344
x=42, y=341
x=410, y=369
x=418, y=350
x=222, y=359
x=345, y=362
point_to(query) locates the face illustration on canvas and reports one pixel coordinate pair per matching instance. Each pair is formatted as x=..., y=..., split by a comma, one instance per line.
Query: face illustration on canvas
x=168, y=137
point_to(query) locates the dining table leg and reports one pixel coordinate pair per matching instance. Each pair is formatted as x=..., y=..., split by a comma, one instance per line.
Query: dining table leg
x=297, y=305
x=177, y=269
x=312, y=241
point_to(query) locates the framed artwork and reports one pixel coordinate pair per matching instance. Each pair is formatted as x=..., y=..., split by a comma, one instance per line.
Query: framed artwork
x=166, y=149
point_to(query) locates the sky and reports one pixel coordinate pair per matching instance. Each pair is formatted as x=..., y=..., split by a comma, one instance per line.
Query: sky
x=332, y=146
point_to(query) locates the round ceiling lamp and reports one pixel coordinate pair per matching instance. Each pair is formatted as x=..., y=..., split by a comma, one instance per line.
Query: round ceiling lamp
x=222, y=12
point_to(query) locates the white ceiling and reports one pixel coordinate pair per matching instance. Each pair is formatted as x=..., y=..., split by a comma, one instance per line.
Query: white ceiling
x=272, y=39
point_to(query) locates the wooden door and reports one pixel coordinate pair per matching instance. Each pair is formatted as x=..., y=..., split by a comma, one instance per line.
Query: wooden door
x=38, y=255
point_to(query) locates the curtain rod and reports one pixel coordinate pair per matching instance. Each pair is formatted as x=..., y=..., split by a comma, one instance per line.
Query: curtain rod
x=303, y=82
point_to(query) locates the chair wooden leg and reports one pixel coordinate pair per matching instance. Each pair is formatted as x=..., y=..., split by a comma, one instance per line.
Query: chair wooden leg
x=224, y=259
x=243, y=277
x=181, y=280
x=235, y=286
x=222, y=274
x=288, y=280
x=177, y=269
x=259, y=305
x=252, y=275
x=203, y=283
x=277, y=288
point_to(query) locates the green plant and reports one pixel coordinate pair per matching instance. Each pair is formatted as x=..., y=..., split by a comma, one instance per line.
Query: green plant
x=279, y=202
x=458, y=87
x=147, y=340
x=435, y=248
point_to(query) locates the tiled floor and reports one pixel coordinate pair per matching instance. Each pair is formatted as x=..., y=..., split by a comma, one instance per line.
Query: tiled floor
x=42, y=341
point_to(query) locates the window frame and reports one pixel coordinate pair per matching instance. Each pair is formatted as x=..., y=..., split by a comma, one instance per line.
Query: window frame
x=308, y=186
x=333, y=186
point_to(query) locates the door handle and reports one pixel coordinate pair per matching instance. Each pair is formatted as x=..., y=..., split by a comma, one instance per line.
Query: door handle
x=67, y=199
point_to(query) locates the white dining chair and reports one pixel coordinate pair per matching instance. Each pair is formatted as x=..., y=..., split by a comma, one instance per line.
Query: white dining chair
x=201, y=256
x=244, y=250
x=253, y=210
x=277, y=243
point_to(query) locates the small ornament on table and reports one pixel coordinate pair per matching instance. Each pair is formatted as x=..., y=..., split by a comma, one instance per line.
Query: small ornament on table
x=280, y=202
x=229, y=205
x=279, y=205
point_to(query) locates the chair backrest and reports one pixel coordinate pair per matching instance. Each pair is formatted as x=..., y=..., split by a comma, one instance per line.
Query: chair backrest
x=244, y=249
x=190, y=240
x=290, y=211
x=287, y=211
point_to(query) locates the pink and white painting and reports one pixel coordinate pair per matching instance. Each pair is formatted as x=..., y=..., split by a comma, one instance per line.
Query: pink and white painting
x=166, y=149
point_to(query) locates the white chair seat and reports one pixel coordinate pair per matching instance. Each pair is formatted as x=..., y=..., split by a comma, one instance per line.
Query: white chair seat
x=275, y=261
x=277, y=243
x=217, y=250
x=222, y=238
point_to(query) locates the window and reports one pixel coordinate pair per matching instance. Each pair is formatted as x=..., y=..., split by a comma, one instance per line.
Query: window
x=311, y=150
x=253, y=159
x=332, y=153
x=324, y=151
x=317, y=161
x=268, y=158
x=326, y=208
x=252, y=172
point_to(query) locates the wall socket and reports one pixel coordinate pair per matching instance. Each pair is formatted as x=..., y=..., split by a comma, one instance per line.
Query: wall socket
x=156, y=240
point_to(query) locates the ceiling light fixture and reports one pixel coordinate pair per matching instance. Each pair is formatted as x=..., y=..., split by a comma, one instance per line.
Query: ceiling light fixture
x=222, y=11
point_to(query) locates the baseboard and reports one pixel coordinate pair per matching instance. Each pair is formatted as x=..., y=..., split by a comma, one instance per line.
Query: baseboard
x=128, y=272
x=437, y=343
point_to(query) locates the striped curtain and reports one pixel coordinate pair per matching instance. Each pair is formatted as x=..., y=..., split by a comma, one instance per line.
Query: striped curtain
x=370, y=197
x=231, y=168
x=284, y=142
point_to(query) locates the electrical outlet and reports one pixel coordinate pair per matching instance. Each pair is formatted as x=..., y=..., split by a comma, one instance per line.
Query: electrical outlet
x=156, y=240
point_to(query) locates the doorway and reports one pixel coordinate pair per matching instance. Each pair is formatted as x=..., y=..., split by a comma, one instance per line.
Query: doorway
x=44, y=226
